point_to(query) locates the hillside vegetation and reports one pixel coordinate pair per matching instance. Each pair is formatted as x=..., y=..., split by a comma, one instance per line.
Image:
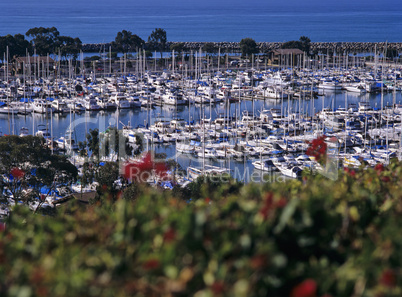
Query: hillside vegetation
x=310, y=237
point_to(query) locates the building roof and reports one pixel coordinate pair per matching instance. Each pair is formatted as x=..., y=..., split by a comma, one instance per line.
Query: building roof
x=33, y=60
x=288, y=51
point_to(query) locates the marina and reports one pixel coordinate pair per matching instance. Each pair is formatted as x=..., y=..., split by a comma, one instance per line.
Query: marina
x=246, y=122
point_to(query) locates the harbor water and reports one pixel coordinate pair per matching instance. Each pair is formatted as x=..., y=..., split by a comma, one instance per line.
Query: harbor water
x=59, y=124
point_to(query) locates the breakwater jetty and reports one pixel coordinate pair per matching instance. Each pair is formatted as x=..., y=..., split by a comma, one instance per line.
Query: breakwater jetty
x=316, y=47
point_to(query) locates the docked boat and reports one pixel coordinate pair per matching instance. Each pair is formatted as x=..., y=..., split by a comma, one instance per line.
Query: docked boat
x=355, y=88
x=24, y=131
x=41, y=106
x=59, y=105
x=290, y=170
x=264, y=165
x=330, y=85
x=43, y=131
x=120, y=100
x=185, y=148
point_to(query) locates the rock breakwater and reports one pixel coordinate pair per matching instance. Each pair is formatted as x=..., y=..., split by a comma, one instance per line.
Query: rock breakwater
x=341, y=47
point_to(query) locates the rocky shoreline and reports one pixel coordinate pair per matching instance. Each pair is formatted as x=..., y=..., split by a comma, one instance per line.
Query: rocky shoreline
x=350, y=47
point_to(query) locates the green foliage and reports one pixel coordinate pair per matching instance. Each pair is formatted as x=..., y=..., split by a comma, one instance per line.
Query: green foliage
x=157, y=40
x=126, y=41
x=17, y=45
x=139, y=142
x=44, y=40
x=48, y=41
x=303, y=44
x=107, y=174
x=133, y=191
x=340, y=237
x=37, y=165
x=177, y=47
x=210, y=47
x=69, y=46
x=148, y=54
x=93, y=143
x=114, y=140
x=392, y=53
x=248, y=46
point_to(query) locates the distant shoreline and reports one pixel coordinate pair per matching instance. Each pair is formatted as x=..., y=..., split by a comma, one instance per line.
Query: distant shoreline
x=350, y=47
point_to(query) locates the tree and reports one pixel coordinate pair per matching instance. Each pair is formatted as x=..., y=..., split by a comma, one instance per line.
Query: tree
x=69, y=47
x=44, y=40
x=30, y=167
x=210, y=47
x=157, y=40
x=17, y=45
x=126, y=41
x=93, y=143
x=392, y=53
x=106, y=175
x=114, y=141
x=139, y=144
x=248, y=46
x=177, y=47
x=148, y=54
x=303, y=44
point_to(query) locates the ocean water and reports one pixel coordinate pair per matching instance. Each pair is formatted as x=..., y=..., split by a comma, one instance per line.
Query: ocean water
x=97, y=21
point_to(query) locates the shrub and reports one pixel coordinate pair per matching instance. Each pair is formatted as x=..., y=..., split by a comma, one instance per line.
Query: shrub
x=299, y=238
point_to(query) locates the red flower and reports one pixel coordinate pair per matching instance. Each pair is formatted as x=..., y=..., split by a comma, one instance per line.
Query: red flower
x=379, y=168
x=307, y=288
x=349, y=171
x=388, y=278
x=169, y=235
x=207, y=200
x=318, y=148
x=258, y=261
x=150, y=264
x=2, y=227
x=281, y=203
x=267, y=206
x=385, y=179
x=17, y=173
x=2, y=253
x=218, y=287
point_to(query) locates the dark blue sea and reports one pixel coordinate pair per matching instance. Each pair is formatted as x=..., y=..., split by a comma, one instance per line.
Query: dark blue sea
x=97, y=21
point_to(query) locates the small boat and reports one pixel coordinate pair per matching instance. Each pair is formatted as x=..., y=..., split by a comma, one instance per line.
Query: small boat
x=43, y=131
x=185, y=148
x=264, y=165
x=290, y=170
x=24, y=132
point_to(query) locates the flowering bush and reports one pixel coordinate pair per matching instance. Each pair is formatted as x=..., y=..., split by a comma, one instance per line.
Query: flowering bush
x=318, y=149
x=305, y=238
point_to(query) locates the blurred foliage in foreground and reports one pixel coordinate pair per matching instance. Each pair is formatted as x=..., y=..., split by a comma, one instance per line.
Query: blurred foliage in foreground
x=303, y=238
